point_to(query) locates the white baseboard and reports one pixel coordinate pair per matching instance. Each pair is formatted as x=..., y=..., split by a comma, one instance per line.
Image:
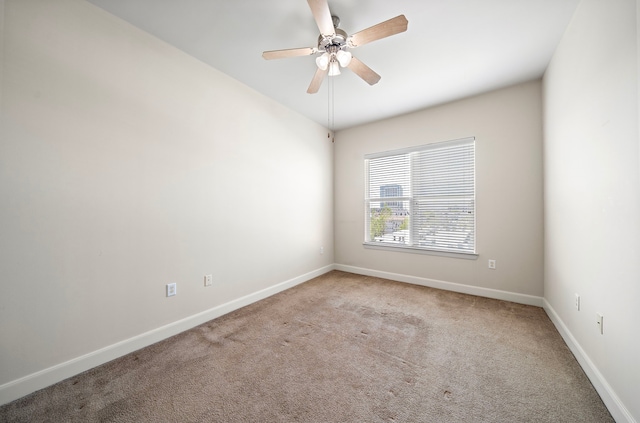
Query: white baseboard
x=20, y=387
x=609, y=397
x=449, y=286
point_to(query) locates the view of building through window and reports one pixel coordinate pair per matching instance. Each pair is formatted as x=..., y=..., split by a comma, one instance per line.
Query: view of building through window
x=390, y=219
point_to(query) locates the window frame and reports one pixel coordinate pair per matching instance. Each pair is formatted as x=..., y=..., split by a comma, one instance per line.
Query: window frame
x=412, y=198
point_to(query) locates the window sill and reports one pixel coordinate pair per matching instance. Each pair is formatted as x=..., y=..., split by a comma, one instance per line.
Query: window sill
x=405, y=249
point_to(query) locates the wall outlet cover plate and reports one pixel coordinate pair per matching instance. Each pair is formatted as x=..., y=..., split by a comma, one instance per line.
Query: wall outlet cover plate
x=171, y=289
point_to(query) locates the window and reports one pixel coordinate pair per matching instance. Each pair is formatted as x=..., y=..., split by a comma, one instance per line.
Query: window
x=422, y=197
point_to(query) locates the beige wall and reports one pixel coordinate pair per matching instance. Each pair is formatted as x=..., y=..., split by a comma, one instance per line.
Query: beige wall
x=508, y=129
x=126, y=165
x=592, y=195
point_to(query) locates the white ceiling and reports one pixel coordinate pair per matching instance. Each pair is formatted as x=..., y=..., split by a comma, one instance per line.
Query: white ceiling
x=452, y=49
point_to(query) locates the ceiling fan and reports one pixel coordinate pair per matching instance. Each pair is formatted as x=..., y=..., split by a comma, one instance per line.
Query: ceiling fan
x=334, y=44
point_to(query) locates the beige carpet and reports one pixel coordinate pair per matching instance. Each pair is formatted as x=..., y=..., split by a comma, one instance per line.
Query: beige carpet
x=339, y=348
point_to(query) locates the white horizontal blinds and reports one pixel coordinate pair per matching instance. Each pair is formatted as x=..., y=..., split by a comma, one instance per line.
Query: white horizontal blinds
x=423, y=197
x=389, y=176
x=444, y=197
x=388, y=199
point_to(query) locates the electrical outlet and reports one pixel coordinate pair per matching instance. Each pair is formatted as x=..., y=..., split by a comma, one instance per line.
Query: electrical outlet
x=492, y=264
x=321, y=250
x=600, y=322
x=208, y=280
x=578, y=302
x=171, y=289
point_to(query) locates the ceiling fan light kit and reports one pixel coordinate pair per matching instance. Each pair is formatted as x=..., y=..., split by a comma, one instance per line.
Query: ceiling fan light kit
x=333, y=42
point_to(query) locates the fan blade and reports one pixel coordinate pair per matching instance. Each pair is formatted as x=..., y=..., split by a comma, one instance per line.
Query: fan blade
x=317, y=80
x=363, y=71
x=322, y=15
x=383, y=29
x=292, y=52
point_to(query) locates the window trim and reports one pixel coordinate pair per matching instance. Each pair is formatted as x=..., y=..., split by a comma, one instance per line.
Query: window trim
x=416, y=250
x=469, y=255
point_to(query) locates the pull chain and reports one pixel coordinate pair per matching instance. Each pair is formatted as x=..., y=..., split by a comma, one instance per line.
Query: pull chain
x=330, y=109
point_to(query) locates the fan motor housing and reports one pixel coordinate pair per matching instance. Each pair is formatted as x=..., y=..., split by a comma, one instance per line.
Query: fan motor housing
x=335, y=42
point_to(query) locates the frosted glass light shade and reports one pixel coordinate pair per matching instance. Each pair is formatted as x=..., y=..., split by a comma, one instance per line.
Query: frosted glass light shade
x=344, y=58
x=334, y=68
x=323, y=61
